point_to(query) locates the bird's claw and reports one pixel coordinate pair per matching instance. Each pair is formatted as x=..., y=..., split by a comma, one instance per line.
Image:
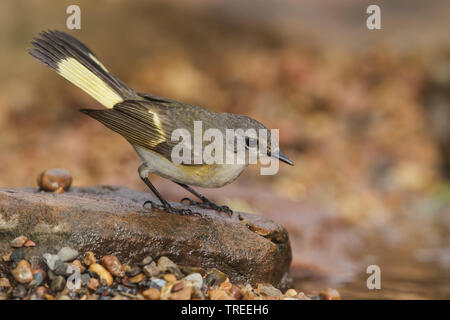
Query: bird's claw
x=208, y=205
x=168, y=208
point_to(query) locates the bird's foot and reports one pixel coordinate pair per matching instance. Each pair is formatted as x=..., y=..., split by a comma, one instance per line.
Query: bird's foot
x=207, y=204
x=168, y=208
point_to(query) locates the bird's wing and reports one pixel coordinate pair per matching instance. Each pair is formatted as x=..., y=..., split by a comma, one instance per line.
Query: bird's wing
x=143, y=123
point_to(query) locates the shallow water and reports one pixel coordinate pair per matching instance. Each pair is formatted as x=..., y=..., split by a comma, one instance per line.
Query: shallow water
x=414, y=259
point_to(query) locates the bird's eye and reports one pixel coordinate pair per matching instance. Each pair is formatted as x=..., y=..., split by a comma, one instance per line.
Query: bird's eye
x=250, y=142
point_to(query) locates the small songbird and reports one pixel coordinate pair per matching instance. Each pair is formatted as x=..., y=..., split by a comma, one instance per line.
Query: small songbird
x=148, y=121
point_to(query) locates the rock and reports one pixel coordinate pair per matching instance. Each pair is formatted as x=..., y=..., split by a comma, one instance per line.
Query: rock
x=4, y=283
x=7, y=257
x=64, y=297
x=302, y=296
x=291, y=293
x=38, y=279
x=52, y=260
x=236, y=292
x=17, y=255
x=103, y=274
x=132, y=271
x=165, y=263
x=268, y=290
x=158, y=283
x=215, y=277
x=29, y=243
x=55, y=180
x=151, y=294
x=77, y=264
x=58, y=284
x=93, y=284
x=219, y=295
x=138, y=278
x=108, y=220
x=19, y=242
x=62, y=270
x=112, y=263
x=170, y=277
x=150, y=271
x=22, y=273
x=19, y=292
x=197, y=294
x=89, y=258
x=196, y=280
x=67, y=254
x=147, y=260
x=330, y=294
x=41, y=292
x=181, y=292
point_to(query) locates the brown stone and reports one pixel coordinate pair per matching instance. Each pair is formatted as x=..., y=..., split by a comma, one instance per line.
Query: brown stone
x=56, y=179
x=170, y=277
x=178, y=286
x=29, y=243
x=108, y=220
x=112, y=263
x=330, y=294
x=93, y=284
x=22, y=273
x=77, y=263
x=151, y=294
x=103, y=274
x=183, y=294
x=19, y=242
x=236, y=292
x=89, y=258
x=150, y=270
x=137, y=278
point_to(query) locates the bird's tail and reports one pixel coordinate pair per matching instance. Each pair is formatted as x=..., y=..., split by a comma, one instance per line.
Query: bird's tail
x=74, y=61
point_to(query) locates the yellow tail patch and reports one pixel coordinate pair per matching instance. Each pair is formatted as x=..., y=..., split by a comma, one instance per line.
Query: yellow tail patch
x=83, y=78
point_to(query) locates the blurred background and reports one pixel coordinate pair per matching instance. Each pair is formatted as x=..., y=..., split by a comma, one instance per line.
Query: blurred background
x=364, y=115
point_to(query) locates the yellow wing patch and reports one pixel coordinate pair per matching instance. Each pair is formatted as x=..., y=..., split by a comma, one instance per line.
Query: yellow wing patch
x=83, y=78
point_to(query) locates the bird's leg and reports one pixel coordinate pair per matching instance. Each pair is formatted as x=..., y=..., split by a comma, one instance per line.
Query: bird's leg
x=143, y=173
x=206, y=203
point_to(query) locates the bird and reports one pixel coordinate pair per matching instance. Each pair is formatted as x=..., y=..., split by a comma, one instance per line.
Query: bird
x=147, y=122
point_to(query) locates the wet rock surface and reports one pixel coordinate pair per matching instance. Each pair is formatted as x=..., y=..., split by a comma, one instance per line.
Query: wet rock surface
x=111, y=221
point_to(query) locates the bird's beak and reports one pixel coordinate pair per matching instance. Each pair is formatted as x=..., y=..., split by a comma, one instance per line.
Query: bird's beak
x=282, y=157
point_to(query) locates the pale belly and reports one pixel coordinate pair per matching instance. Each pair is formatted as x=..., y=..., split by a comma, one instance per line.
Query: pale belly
x=207, y=176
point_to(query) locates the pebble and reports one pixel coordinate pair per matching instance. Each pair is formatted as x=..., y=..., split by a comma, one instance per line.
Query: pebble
x=268, y=290
x=22, y=273
x=19, y=242
x=196, y=280
x=138, y=278
x=164, y=263
x=38, y=278
x=4, y=283
x=67, y=254
x=151, y=294
x=56, y=179
x=151, y=270
x=89, y=258
x=235, y=291
x=77, y=264
x=104, y=275
x=132, y=271
x=93, y=284
x=302, y=296
x=52, y=260
x=58, y=284
x=197, y=294
x=113, y=265
x=17, y=255
x=158, y=283
x=64, y=297
x=41, y=291
x=215, y=277
x=182, y=294
x=178, y=286
x=62, y=269
x=85, y=278
x=7, y=257
x=291, y=293
x=147, y=260
x=19, y=291
x=29, y=243
x=170, y=277
x=330, y=294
